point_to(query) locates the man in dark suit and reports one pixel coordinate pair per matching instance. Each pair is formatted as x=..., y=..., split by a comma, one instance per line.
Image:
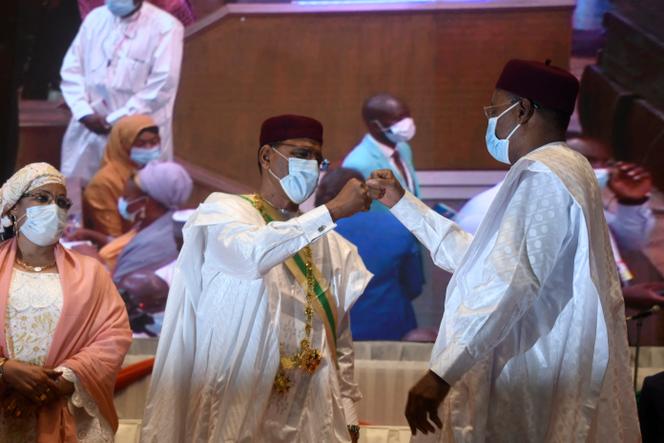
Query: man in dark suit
x=392, y=254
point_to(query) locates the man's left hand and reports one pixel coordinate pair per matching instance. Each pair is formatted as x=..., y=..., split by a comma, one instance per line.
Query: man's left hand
x=424, y=399
x=630, y=182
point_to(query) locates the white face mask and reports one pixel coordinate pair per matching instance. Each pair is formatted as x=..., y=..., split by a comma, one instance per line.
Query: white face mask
x=143, y=156
x=603, y=177
x=499, y=148
x=301, y=180
x=401, y=131
x=120, y=8
x=44, y=225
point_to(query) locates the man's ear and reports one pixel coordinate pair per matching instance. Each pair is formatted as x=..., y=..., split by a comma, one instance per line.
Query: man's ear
x=264, y=156
x=526, y=110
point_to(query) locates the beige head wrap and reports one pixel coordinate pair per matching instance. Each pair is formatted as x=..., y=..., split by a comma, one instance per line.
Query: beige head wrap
x=25, y=180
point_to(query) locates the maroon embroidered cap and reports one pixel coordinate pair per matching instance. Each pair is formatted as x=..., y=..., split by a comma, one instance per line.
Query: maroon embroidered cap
x=286, y=127
x=548, y=86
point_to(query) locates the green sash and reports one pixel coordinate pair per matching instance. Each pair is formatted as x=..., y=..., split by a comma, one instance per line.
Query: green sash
x=324, y=303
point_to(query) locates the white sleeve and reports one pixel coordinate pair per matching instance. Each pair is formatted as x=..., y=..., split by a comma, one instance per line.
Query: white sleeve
x=631, y=225
x=350, y=391
x=444, y=239
x=162, y=82
x=81, y=405
x=509, y=276
x=73, y=78
x=247, y=250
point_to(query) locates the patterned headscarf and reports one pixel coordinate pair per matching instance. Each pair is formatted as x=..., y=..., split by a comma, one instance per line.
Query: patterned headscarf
x=25, y=180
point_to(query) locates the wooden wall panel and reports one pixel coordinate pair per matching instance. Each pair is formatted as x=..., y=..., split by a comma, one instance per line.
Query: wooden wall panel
x=42, y=126
x=248, y=62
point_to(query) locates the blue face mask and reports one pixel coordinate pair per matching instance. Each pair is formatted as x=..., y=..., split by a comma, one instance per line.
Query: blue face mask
x=123, y=209
x=499, y=148
x=301, y=180
x=44, y=224
x=121, y=8
x=143, y=156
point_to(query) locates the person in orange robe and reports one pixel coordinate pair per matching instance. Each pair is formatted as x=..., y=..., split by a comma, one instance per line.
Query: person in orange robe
x=133, y=142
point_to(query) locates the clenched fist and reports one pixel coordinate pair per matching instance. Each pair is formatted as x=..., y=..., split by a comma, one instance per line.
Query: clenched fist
x=352, y=198
x=384, y=187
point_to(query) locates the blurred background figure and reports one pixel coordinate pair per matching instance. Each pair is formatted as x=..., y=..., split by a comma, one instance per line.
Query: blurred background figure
x=133, y=143
x=146, y=290
x=390, y=128
x=147, y=205
x=58, y=375
x=392, y=254
x=125, y=60
x=180, y=9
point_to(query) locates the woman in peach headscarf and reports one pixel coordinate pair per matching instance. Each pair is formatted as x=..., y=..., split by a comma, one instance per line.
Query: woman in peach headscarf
x=134, y=141
x=64, y=329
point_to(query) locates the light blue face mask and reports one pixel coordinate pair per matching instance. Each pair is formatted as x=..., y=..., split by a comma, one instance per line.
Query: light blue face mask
x=499, y=148
x=143, y=156
x=121, y=8
x=44, y=224
x=301, y=180
x=603, y=177
x=123, y=209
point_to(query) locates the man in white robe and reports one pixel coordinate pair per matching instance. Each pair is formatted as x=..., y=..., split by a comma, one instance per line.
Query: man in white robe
x=625, y=187
x=237, y=314
x=125, y=60
x=532, y=345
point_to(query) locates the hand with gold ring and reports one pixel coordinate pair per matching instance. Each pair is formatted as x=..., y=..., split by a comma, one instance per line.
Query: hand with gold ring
x=31, y=381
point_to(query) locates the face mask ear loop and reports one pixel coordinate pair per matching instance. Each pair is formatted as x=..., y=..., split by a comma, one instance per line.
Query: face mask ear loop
x=270, y=169
x=380, y=125
x=140, y=214
x=513, y=131
x=18, y=220
x=505, y=112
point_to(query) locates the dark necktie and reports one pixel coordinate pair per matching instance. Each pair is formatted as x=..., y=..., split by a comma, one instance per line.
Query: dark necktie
x=397, y=160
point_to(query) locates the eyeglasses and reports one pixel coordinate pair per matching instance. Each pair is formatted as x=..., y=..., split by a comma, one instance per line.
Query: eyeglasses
x=306, y=153
x=46, y=198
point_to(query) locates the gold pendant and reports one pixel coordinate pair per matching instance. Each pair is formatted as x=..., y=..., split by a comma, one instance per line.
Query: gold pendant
x=282, y=383
x=310, y=360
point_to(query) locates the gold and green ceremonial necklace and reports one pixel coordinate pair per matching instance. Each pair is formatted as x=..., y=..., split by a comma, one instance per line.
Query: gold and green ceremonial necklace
x=306, y=358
